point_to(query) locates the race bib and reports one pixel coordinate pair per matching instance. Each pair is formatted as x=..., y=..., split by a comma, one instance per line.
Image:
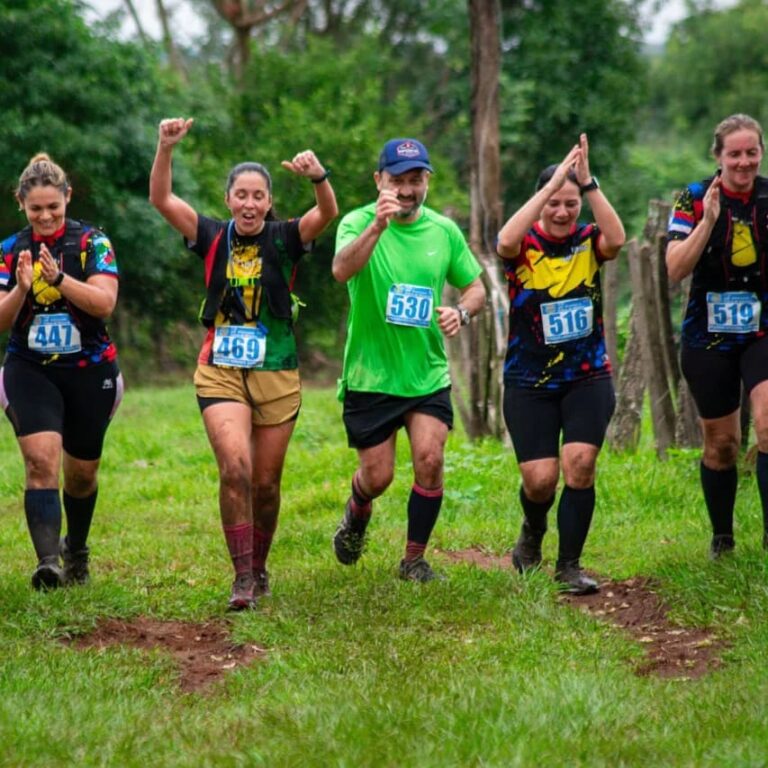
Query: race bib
x=566, y=320
x=54, y=334
x=239, y=346
x=410, y=305
x=733, y=312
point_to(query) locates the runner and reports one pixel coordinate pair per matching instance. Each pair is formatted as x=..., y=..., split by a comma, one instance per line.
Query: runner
x=247, y=377
x=718, y=232
x=60, y=384
x=395, y=255
x=557, y=376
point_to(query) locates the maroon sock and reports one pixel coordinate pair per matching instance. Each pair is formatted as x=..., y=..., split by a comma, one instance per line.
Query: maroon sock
x=361, y=504
x=261, y=544
x=240, y=544
x=423, y=509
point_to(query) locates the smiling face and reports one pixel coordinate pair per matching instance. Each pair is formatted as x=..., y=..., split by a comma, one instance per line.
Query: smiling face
x=561, y=211
x=46, y=208
x=411, y=189
x=249, y=202
x=740, y=159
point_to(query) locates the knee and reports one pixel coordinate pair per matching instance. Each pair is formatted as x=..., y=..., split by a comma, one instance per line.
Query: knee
x=376, y=480
x=721, y=451
x=234, y=475
x=80, y=483
x=579, y=473
x=267, y=492
x=428, y=469
x=41, y=471
x=540, y=487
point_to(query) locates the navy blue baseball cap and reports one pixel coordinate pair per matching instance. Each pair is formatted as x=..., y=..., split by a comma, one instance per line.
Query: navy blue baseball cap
x=401, y=155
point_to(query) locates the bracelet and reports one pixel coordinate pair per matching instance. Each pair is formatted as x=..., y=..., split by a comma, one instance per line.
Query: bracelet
x=57, y=280
x=321, y=179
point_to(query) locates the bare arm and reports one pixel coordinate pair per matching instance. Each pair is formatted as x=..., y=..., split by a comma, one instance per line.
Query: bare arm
x=683, y=255
x=97, y=295
x=612, y=235
x=177, y=212
x=512, y=233
x=12, y=301
x=317, y=218
x=355, y=255
x=472, y=299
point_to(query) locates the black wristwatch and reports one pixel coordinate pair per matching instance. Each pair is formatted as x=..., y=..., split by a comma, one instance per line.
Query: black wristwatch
x=464, y=316
x=590, y=186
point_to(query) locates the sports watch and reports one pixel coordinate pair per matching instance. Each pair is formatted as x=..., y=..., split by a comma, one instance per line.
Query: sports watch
x=464, y=316
x=590, y=186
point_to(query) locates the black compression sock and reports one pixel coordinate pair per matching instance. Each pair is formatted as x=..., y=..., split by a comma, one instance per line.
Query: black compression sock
x=719, y=486
x=43, y=510
x=574, y=516
x=79, y=514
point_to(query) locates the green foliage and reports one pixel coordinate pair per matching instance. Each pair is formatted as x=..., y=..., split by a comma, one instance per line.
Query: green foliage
x=92, y=103
x=567, y=68
x=715, y=64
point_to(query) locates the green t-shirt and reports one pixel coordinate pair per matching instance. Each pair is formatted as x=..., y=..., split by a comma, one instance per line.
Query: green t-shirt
x=394, y=344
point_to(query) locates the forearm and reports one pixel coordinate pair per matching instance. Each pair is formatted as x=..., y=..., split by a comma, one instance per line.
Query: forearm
x=10, y=304
x=353, y=257
x=683, y=255
x=317, y=218
x=612, y=232
x=473, y=297
x=96, y=297
x=161, y=177
x=512, y=233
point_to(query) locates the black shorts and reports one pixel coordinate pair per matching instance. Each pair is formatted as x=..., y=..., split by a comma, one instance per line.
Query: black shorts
x=77, y=403
x=371, y=417
x=715, y=377
x=536, y=417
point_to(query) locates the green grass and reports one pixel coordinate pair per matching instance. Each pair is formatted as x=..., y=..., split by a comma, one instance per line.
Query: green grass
x=484, y=669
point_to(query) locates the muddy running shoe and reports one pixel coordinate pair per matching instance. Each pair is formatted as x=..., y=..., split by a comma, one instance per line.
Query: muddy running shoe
x=242, y=596
x=571, y=578
x=527, y=552
x=418, y=570
x=721, y=544
x=75, y=563
x=48, y=574
x=261, y=588
x=349, y=539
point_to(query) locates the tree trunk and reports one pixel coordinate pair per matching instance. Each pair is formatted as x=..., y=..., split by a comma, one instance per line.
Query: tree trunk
x=482, y=364
x=174, y=57
x=610, y=284
x=624, y=432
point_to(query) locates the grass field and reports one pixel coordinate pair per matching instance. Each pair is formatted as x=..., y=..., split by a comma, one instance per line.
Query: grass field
x=483, y=669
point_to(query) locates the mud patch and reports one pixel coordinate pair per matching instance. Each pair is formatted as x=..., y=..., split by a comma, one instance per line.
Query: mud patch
x=202, y=652
x=633, y=605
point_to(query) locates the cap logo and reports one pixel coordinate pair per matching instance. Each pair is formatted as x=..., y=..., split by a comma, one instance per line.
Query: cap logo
x=407, y=150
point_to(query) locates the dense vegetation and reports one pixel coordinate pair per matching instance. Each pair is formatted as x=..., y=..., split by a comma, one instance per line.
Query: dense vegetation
x=341, y=78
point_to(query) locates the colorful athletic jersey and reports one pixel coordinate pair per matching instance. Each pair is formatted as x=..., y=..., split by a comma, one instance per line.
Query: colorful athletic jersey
x=49, y=329
x=248, y=306
x=555, y=310
x=394, y=345
x=728, y=301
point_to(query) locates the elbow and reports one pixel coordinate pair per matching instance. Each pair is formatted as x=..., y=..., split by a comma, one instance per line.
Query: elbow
x=339, y=275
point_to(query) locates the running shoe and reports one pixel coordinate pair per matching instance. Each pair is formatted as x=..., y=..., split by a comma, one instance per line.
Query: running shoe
x=261, y=588
x=571, y=578
x=418, y=570
x=721, y=544
x=527, y=552
x=75, y=563
x=242, y=596
x=349, y=539
x=48, y=574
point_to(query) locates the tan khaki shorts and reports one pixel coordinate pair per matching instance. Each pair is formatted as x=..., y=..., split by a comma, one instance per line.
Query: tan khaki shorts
x=274, y=396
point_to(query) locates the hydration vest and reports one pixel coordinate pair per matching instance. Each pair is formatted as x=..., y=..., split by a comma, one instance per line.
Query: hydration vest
x=219, y=291
x=71, y=251
x=715, y=267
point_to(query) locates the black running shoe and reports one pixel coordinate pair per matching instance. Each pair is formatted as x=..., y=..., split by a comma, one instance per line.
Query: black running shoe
x=721, y=544
x=48, y=574
x=418, y=570
x=527, y=552
x=242, y=596
x=261, y=588
x=75, y=563
x=349, y=539
x=571, y=578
